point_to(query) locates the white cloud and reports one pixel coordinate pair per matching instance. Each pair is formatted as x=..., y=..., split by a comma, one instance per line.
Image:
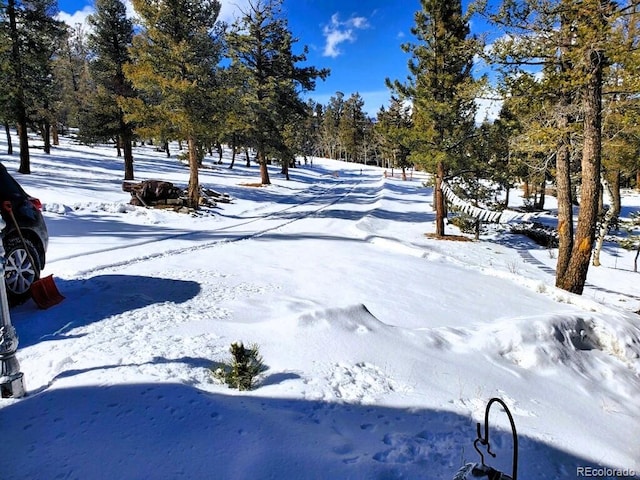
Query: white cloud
x=488, y=109
x=232, y=9
x=337, y=32
x=77, y=17
x=80, y=16
x=359, y=22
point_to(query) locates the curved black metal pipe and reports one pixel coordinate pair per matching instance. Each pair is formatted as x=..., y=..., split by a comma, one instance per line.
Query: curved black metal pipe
x=485, y=440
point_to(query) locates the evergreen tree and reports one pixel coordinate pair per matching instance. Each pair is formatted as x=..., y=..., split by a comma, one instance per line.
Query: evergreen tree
x=310, y=129
x=174, y=60
x=620, y=129
x=109, y=42
x=260, y=46
x=442, y=91
x=5, y=71
x=31, y=34
x=330, y=124
x=300, y=132
x=236, y=130
x=42, y=90
x=72, y=78
x=529, y=135
x=351, y=127
x=507, y=136
x=393, y=129
x=575, y=42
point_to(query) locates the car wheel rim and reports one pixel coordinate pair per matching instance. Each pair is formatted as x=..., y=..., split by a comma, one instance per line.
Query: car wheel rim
x=19, y=272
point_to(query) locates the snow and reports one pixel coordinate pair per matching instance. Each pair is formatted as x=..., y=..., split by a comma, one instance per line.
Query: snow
x=383, y=345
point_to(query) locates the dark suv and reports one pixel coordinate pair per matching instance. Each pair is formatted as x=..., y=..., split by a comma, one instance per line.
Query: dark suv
x=22, y=267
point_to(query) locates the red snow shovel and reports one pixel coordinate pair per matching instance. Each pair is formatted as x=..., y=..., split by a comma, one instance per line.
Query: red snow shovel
x=44, y=291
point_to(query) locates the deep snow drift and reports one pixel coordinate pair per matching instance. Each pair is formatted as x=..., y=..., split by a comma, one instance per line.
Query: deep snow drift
x=383, y=346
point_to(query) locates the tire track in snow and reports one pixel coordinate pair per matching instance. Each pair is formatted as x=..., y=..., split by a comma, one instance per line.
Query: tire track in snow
x=187, y=234
x=229, y=228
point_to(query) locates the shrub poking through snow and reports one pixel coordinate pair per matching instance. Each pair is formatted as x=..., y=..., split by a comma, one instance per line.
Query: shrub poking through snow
x=246, y=364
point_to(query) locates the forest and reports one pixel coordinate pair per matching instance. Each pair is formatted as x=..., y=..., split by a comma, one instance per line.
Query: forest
x=565, y=72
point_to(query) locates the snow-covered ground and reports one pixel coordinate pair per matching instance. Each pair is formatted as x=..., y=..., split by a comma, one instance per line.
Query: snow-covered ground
x=383, y=346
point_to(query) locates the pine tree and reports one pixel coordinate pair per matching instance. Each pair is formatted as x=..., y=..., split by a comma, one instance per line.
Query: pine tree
x=31, y=33
x=393, y=129
x=72, y=78
x=174, y=61
x=235, y=129
x=299, y=133
x=442, y=91
x=620, y=129
x=351, y=128
x=260, y=46
x=503, y=147
x=329, y=126
x=109, y=41
x=5, y=72
x=310, y=130
x=574, y=42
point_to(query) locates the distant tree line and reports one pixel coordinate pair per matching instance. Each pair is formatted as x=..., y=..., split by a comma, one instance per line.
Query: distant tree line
x=567, y=76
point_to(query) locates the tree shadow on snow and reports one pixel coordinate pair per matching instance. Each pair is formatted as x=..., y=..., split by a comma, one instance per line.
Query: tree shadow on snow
x=168, y=431
x=117, y=294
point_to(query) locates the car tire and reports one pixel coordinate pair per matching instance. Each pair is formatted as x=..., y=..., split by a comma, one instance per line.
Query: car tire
x=19, y=270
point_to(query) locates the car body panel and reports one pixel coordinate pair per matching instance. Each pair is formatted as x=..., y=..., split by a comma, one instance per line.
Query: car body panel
x=27, y=214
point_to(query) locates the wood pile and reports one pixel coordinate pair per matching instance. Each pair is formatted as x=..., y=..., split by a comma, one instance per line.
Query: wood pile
x=217, y=196
x=163, y=194
x=154, y=193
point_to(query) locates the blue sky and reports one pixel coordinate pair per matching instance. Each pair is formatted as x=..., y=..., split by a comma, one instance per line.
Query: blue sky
x=358, y=40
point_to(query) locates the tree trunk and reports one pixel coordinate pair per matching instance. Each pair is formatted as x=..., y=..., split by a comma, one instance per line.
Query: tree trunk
x=564, y=198
x=127, y=147
x=616, y=199
x=46, y=136
x=262, y=161
x=233, y=151
x=9, y=141
x=46, y=129
x=54, y=134
x=576, y=274
x=565, y=190
x=604, y=226
x=540, y=203
x=219, y=150
x=439, y=201
x=20, y=111
x=285, y=167
x=25, y=163
x=193, y=191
